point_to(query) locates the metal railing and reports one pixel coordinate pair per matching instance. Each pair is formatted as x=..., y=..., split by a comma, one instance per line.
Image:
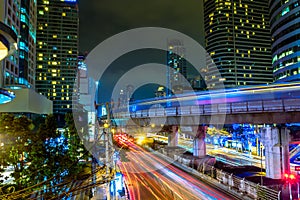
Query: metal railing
x=232, y=182
x=280, y=105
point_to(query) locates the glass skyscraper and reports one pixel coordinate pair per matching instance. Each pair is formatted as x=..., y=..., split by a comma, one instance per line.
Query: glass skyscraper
x=27, y=43
x=176, y=61
x=9, y=14
x=237, y=37
x=57, y=52
x=285, y=30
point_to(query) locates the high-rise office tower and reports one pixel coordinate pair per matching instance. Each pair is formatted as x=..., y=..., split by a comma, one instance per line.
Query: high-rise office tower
x=237, y=37
x=285, y=31
x=176, y=63
x=17, y=70
x=9, y=15
x=57, y=51
x=27, y=43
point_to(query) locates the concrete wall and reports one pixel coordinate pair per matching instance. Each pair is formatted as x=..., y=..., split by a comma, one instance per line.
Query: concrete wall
x=28, y=101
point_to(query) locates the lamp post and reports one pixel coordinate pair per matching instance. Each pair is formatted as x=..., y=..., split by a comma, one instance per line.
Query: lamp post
x=109, y=158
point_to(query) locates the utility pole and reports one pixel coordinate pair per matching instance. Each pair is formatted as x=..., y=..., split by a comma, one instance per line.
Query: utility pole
x=109, y=149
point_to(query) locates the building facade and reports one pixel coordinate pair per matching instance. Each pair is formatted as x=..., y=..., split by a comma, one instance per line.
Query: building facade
x=285, y=30
x=17, y=59
x=57, y=51
x=9, y=15
x=176, y=63
x=27, y=43
x=237, y=38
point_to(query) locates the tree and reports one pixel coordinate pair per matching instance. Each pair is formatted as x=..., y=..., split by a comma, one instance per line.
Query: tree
x=76, y=144
x=40, y=154
x=16, y=134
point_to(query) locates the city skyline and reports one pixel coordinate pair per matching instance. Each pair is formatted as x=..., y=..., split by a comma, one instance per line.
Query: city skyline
x=114, y=139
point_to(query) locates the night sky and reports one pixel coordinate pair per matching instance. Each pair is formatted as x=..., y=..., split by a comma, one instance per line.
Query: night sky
x=101, y=19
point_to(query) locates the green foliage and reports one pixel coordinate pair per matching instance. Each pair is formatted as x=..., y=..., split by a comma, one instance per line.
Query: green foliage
x=39, y=154
x=76, y=147
x=16, y=137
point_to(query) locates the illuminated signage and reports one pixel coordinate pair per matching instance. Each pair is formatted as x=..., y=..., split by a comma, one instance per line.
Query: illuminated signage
x=297, y=168
x=70, y=1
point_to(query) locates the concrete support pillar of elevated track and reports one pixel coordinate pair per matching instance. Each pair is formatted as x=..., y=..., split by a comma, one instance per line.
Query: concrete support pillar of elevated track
x=276, y=144
x=199, y=147
x=173, y=136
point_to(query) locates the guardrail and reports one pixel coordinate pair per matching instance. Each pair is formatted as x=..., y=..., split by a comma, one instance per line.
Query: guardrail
x=280, y=105
x=233, y=183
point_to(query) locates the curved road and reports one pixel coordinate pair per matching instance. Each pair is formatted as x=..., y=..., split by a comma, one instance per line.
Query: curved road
x=148, y=177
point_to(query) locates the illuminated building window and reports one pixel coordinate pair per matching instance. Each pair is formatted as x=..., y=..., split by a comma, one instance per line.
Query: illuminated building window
x=54, y=36
x=41, y=12
x=46, y=9
x=285, y=11
x=63, y=14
